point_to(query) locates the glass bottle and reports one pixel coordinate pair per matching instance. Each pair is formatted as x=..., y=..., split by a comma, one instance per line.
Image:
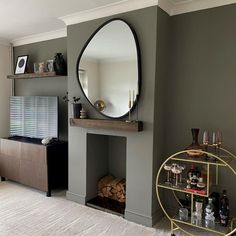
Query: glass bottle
x=216, y=202
x=209, y=214
x=224, y=209
x=197, y=214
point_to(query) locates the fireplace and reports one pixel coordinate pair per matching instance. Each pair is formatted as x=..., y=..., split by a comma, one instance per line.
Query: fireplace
x=106, y=159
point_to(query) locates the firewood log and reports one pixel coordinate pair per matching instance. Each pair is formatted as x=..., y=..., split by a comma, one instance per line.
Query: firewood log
x=112, y=187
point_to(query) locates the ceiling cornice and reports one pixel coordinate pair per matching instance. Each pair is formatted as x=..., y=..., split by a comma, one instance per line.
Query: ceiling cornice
x=184, y=6
x=5, y=42
x=169, y=6
x=40, y=37
x=108, y=10
x=166, y=5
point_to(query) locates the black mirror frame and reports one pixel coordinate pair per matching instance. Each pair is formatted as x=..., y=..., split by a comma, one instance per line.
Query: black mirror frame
x=138, y=61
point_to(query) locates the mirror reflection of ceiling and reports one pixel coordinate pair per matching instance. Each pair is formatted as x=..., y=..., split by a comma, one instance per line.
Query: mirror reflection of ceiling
x=108, y=69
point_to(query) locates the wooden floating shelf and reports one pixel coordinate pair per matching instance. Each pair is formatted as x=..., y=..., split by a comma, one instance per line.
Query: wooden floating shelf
x=34, y=75
x=135, y=126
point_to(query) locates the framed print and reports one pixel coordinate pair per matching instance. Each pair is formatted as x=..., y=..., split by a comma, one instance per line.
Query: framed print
x=21, y=64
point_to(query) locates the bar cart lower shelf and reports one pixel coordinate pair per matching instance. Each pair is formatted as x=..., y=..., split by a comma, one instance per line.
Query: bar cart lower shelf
x=213, y=161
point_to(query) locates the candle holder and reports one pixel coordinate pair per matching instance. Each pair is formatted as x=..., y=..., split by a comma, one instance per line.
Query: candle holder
x=131, y=104
x=129, y=116
x=137, y=107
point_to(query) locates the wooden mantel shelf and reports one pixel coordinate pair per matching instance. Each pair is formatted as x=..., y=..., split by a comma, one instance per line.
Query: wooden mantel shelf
x=33, y=75
x=121, y=125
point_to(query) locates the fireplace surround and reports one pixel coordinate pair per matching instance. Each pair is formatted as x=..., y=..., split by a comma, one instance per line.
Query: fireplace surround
x=144, y=150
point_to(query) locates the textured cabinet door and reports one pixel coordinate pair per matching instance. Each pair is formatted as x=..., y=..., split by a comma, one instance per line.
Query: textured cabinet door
x=33, y=166
x=10, y=147
x=10, y=159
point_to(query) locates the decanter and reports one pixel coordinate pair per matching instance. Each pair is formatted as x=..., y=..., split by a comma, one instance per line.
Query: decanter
x=194, y=145
x=209, y=214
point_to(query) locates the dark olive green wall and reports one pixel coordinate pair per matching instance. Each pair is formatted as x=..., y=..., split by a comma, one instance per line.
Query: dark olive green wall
x=162, y=57
x=188, y=80
x=57, y=86
x=141, y=153
x=201, y=89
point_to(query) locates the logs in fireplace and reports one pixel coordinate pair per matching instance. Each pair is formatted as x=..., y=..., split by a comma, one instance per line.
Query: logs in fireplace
x=112, y=187
x=111, y=195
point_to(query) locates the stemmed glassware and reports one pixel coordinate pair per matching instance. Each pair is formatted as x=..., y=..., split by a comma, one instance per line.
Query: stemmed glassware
x=205, y=140
x=167, y=167
x=177, y=170
x=217, y=141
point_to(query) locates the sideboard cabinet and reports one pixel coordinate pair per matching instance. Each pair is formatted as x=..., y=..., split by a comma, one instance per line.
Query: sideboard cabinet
x=44, y=167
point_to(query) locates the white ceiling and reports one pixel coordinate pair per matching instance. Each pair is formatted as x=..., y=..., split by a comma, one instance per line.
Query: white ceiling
x=19, y=18
x=27, y=21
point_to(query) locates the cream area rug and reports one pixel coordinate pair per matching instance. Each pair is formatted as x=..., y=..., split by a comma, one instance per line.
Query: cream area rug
x=28, y=212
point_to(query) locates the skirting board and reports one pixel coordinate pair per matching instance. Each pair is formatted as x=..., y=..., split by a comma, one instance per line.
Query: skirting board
x=129, y=215
x=143, y=219
x=76, y=197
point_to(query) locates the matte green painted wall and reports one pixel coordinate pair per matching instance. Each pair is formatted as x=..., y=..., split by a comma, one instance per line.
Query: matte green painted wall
x=57, y=86
x=201, y=89
x=162, y=68
x=141, y=154
x=188, y=80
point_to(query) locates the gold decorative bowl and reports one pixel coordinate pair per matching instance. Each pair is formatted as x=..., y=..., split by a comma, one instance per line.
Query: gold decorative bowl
x=100, y=105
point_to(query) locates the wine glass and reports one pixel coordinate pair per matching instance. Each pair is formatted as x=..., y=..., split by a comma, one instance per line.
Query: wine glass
x=168, y=169
x=177, y=170
x=214, y=140
x=205, y=140
x=218, y=140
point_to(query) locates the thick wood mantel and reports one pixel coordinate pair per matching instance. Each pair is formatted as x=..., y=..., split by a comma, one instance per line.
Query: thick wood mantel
x=135, y=126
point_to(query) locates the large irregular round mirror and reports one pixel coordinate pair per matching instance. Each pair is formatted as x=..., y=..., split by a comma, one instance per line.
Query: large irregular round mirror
x=109, y=69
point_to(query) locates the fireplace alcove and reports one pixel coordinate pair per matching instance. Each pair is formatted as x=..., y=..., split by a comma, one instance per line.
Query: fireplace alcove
x=106, y=155
x=143, y=149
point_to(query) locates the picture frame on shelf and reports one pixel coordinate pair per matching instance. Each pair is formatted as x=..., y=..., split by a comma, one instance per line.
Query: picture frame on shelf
x=21, y=64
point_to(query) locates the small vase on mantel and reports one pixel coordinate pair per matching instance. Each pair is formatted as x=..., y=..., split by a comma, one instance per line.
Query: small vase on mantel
x=195, y=144
x=75, y=110
x=59, y=64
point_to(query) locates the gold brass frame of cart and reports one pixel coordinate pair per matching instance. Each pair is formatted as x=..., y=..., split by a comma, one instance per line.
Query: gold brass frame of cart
x=222, y=160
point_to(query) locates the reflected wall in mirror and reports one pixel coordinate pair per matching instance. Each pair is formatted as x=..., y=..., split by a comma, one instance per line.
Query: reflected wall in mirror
x=108, y=69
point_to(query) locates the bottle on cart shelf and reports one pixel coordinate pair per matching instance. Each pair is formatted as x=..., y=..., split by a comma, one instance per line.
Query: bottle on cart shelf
x=191, y=171
x=224, y=209
x=216, y=202
x=197, y=214
x=193, y=176
x=209, y=214
x=194, y=181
